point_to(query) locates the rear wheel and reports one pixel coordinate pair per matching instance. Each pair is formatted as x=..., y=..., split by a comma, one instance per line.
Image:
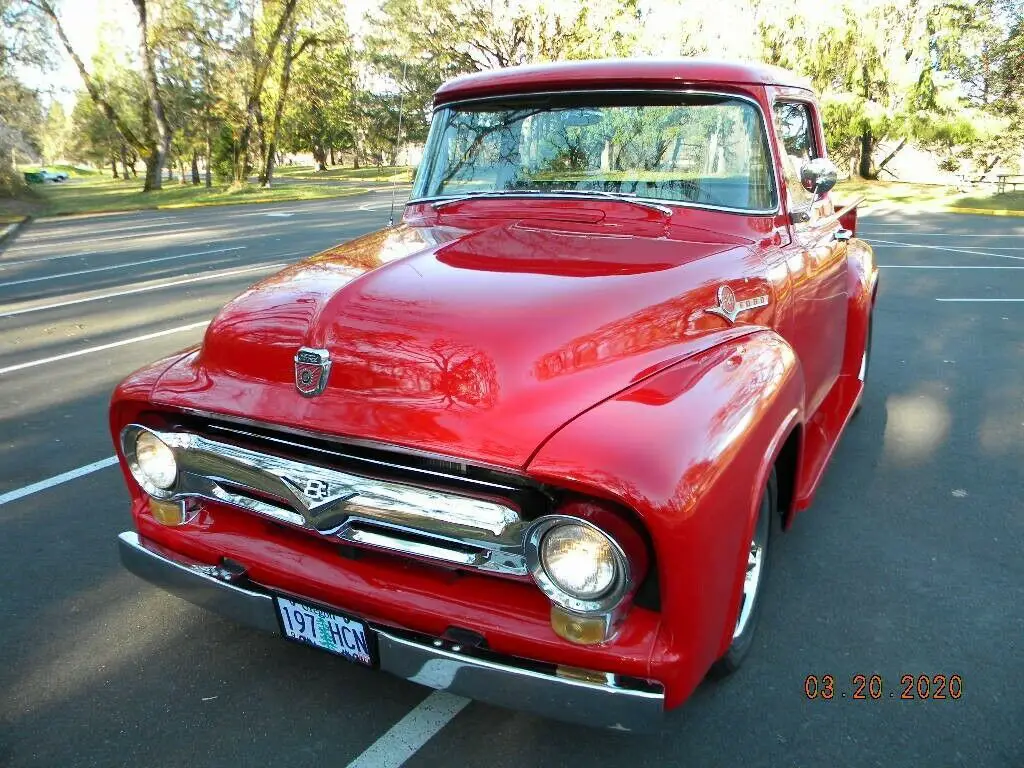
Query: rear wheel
x=753, y=584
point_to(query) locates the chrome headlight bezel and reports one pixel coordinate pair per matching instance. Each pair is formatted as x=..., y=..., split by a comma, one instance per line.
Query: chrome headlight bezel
x=129, y=446
x=603, y=603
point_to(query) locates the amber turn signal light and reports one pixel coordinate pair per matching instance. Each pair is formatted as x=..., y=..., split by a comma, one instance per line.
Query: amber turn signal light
x=168, y=512
x=582, y=630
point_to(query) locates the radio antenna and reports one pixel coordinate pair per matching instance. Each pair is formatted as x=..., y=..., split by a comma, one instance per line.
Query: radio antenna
x=398, y=143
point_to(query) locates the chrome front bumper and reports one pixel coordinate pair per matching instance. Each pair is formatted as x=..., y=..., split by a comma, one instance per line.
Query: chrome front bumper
x=505, y=683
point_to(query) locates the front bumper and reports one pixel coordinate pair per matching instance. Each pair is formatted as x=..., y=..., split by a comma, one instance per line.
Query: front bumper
x=505, y=681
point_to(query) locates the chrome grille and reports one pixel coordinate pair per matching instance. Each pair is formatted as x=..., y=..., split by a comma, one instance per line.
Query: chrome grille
x=421, y=521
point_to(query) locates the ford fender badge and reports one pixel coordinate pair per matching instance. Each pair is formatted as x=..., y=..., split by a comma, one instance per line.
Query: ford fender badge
x=312, y=366
x=729, y=308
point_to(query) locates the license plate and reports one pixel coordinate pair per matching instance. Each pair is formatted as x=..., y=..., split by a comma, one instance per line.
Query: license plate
x=322, y=629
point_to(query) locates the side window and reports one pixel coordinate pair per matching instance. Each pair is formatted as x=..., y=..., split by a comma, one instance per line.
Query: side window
x=794, y=127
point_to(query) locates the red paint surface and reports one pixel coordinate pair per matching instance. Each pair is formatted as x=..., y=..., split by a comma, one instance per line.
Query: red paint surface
x=564, y=339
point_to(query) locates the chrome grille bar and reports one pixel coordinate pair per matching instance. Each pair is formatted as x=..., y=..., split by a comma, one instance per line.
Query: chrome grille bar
x=419, y=521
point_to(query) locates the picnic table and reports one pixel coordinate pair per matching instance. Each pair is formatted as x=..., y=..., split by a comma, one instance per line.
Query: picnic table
x=1008, y=179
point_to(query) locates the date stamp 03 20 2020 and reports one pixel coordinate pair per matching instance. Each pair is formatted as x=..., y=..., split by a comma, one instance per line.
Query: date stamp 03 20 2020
x=873, y=687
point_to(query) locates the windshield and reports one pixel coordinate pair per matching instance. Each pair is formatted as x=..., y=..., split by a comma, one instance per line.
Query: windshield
x=681, y=148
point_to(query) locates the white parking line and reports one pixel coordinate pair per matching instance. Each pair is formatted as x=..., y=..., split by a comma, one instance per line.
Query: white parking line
x=101, y=347
x=410, y=733
x=933, y=266
x=898, y=243
x=144, y=289
x=42, y=485
x=985, y=301
x=119, y=266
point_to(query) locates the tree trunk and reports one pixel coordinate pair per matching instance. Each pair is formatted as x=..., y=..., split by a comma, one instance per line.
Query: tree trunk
x=209, y=158
x=154, y=171
x=319, y=157
x=332, y=155
x=160, y=144
x=181, y=169
x=113, y=164
x=867, y=146
x=270, y=151
x=124, y=163
x=891, y=155
x=195, y=167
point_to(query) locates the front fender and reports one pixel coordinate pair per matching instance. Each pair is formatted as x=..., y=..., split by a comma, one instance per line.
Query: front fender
x=689, y=449
x=862, y=285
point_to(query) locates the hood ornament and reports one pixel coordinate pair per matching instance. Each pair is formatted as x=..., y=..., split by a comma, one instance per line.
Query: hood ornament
x=312, y=366
x=729, y=308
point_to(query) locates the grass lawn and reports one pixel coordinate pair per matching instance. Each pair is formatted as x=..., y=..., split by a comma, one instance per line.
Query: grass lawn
x=105, y=194
x=371, y=173
x=930, y=195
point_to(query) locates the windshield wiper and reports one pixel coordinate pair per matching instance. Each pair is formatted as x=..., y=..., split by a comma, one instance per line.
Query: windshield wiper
x=484, y=193
x=624, y=197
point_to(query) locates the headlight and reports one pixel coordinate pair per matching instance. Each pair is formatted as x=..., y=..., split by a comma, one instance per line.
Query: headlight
x=151, y=461
x=579, y=560
x=576, y=564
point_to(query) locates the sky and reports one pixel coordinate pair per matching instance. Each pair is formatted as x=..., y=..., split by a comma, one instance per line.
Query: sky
x=82, y=20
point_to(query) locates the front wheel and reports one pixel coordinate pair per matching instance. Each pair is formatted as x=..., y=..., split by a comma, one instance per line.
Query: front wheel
x=753, y=584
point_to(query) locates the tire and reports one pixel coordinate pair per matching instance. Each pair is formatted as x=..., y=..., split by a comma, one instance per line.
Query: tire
x=750, y=607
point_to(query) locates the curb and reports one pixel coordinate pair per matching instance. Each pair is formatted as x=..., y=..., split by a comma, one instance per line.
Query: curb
x=11, y=229
x=983, y=211
x=184, y=206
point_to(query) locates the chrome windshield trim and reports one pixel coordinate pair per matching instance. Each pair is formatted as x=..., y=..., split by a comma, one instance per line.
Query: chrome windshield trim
x=689, y=91
x=583, y=194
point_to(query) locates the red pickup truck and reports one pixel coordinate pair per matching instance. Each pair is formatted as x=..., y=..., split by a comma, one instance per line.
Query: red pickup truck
x=530, y=445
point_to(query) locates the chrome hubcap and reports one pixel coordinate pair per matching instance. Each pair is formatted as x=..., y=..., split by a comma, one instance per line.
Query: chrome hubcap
x=752, y=579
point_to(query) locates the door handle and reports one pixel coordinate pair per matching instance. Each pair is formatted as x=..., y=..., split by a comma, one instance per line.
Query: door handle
x=842, y=235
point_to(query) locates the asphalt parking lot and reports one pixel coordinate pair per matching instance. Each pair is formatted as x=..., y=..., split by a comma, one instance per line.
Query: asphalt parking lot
x=908, y=563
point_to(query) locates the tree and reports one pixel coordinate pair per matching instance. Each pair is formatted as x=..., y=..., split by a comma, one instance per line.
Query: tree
x=56, y=133
x=261, y=57
x=23, y=43
x=880, y=77
x=153, y=144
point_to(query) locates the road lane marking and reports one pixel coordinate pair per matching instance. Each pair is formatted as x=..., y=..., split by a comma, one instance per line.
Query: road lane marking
x=943, y=248
x=410, y=733
x=932, y=266
x=119, y=266
x=101, y=347
x=90, y=240
x=4, y=264
x=984, y=301
x=50, y=482
x=144, y=289
x=941, y=234
x=33, y=242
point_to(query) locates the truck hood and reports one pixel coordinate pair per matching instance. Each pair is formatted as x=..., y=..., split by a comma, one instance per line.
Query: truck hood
x=473, y=343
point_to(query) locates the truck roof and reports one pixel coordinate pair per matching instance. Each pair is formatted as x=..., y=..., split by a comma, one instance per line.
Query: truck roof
x=614, y=74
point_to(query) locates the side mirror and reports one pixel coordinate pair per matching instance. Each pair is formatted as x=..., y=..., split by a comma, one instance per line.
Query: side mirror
x=818, y=176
